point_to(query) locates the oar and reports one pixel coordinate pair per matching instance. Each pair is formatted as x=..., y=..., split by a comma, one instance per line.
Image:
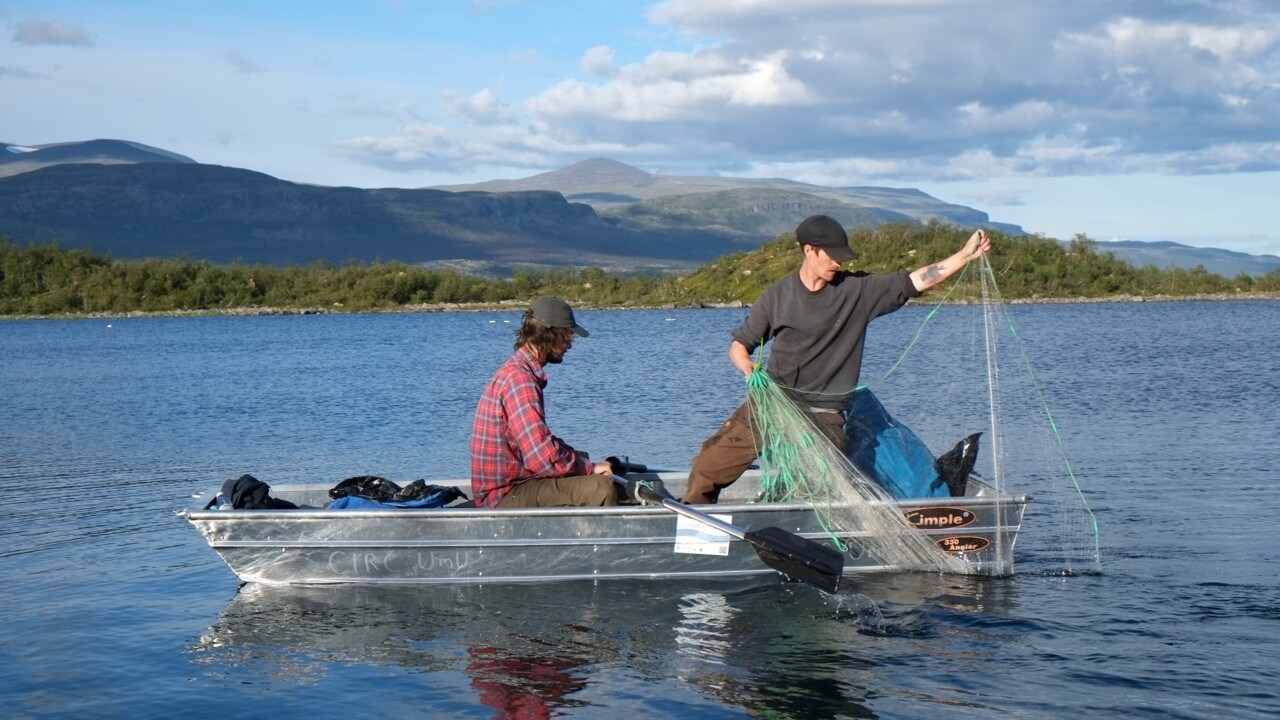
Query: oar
x=796, y=557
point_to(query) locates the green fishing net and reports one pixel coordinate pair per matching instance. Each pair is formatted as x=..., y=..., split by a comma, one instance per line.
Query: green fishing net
x=799, y=464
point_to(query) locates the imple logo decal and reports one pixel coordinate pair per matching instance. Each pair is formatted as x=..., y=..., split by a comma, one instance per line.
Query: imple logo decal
x=940, y=518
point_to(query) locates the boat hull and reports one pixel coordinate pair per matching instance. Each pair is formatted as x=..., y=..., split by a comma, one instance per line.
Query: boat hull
x=312, y=546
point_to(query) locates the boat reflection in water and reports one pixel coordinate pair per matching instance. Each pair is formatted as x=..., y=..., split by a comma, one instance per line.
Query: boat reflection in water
x=668, y=648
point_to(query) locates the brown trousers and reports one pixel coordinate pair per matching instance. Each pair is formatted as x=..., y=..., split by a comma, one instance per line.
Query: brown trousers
x=735, y=446
x=578, y=491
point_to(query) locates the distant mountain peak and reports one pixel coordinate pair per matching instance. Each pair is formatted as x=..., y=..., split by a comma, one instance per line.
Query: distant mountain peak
x=19, y=159
x=591, y=173
x=600, y=171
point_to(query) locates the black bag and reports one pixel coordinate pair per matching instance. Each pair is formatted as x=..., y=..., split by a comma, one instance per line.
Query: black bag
x=249, y=493
x=366, y=486
x=372, y=487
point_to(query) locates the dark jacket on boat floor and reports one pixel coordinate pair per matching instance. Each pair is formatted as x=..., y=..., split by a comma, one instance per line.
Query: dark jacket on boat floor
x=249, y=493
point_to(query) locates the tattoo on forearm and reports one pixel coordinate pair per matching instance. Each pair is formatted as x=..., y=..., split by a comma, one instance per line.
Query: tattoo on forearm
x=932, y=274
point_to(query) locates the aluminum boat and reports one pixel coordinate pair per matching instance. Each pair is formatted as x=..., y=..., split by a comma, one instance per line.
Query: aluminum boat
x=312, y=545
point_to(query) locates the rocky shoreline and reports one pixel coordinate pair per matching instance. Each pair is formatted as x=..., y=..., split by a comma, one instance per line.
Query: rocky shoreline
x=520, y=305
x=1206, y=297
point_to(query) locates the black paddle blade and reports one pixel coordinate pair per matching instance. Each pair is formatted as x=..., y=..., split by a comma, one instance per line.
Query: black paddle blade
x=798, y=558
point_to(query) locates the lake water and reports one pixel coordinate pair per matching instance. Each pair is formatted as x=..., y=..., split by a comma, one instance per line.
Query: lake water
x=116, y=608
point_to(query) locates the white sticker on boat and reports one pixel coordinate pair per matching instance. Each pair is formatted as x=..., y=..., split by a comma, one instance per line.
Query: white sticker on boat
x=697, y=538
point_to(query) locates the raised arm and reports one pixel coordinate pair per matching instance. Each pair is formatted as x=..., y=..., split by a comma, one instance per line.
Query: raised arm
x=934, y=273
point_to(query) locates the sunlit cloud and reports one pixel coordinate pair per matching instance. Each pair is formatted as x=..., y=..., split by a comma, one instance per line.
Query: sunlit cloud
x=481, y=108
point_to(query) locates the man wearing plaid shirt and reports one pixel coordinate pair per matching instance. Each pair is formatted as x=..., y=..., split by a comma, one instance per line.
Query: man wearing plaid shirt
x=515, y=460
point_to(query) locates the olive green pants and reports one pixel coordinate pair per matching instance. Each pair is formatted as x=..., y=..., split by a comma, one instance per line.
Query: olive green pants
x=578, y=491
x=735, y=446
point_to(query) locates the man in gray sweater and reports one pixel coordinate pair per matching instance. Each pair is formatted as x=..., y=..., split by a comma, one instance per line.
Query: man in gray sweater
x=817, y=319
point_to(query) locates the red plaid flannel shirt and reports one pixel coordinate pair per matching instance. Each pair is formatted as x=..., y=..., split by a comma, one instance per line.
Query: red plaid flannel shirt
x=510, y=441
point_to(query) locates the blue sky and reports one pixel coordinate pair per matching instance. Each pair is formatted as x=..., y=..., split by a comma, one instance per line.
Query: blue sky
x=1120, y=119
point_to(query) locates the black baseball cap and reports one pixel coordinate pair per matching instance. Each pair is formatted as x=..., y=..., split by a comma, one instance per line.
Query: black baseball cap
x=553, y=312
x=825, y=232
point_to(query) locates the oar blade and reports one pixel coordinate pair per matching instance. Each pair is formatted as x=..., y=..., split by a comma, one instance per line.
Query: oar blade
x=788, y=553
x=798, y=558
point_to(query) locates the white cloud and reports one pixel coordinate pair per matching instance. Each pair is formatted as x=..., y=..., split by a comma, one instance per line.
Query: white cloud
x=50, y=32
x=599, y=61
x=882, y=90
x=482, y=108
x=427, y=146
x=671, y=86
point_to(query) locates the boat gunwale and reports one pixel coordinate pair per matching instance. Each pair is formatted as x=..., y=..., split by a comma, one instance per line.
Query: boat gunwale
x=200, y=510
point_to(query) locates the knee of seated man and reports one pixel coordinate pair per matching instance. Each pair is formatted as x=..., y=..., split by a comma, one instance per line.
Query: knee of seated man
x=600, y=490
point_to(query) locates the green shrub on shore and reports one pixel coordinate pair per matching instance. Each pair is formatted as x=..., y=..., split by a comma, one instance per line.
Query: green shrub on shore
x=1025, y=267
x=48, y=280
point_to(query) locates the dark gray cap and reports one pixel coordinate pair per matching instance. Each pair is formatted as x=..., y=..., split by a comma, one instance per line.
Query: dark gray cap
x=553, y=312
x=825, y=232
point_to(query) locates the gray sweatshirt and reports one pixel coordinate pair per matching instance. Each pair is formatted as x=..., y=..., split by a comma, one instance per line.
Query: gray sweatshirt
x=818, y=336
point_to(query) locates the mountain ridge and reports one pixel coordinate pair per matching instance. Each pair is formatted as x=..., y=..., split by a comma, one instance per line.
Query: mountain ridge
x=608, y=184
x=223, y=214
x=1165, y=254
x=134, y=200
